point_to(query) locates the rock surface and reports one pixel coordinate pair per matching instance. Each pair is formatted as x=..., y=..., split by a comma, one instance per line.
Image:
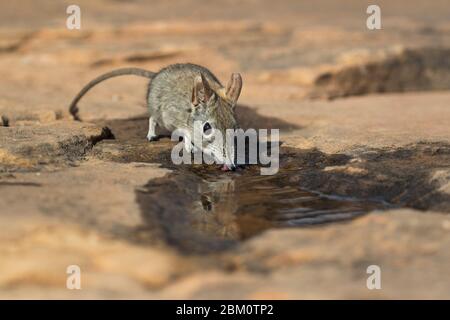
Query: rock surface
x=70, y=190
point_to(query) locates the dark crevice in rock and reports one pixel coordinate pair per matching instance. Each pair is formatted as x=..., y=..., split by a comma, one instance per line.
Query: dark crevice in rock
x=135, y=58
x=421, y=69
x=18, y=45
x=5, y=121
x=22, y=184
x=77, y=147
x=401, y=176
x=66, y=152
x=105, y=134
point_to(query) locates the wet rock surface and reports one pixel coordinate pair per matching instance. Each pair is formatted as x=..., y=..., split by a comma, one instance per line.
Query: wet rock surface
x=98, y=195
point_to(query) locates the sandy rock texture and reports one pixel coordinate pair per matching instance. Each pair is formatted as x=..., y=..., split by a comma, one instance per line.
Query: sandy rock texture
x=363, y=114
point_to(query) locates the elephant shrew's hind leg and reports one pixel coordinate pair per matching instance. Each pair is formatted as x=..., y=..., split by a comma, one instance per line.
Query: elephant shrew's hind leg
x=151, y=135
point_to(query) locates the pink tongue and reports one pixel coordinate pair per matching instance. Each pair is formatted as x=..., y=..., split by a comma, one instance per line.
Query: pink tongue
x=225, y=168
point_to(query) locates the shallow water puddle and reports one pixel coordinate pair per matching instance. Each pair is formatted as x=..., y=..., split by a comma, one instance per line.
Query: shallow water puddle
x=201, y=210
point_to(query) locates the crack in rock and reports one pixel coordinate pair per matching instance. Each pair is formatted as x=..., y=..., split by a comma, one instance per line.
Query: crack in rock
x=421, y=69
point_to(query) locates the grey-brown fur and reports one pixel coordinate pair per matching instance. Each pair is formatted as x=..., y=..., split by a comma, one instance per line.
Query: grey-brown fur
x=181, y=94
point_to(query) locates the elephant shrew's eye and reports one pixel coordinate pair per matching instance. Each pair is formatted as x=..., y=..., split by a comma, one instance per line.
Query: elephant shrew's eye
x=207, y=129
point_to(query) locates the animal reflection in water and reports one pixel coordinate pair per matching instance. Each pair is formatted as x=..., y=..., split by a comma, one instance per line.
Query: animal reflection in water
x=215, y=212
x=196, y=211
